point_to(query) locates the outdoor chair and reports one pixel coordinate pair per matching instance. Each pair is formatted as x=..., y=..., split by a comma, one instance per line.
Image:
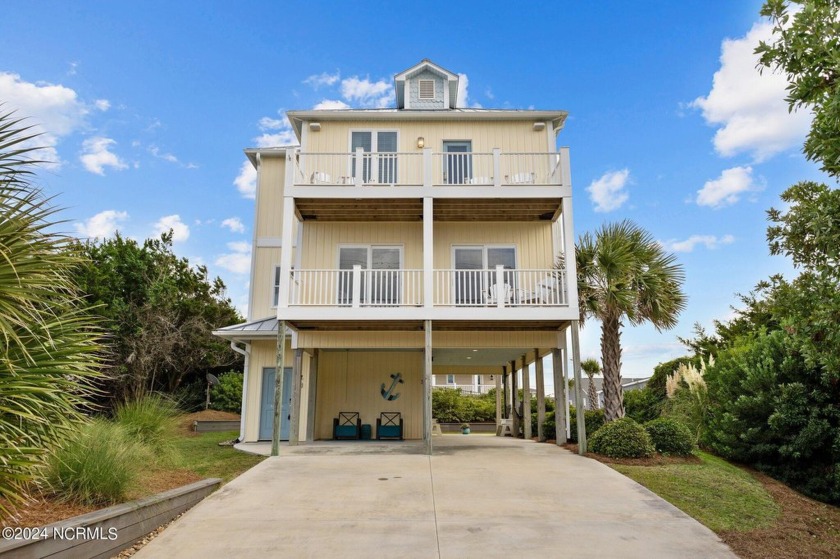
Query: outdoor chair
x=348, y=426
x=320, y=177
x=498, y=292
x=389, y=425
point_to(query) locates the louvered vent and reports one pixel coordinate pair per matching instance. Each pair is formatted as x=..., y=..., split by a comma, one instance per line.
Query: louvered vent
x=427, y=89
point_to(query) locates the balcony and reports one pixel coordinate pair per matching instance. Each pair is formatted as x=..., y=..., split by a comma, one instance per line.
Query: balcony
x=367, y=170
x=475, y=290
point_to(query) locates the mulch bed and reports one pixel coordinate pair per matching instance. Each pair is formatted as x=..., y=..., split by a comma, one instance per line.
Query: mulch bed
x=805, y=529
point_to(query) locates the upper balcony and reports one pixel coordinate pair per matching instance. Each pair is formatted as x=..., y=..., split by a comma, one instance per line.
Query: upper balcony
x=425, y=173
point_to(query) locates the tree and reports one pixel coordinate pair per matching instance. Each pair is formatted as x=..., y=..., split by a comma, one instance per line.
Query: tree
x=48, y=349
x=159, y=312
x=806, y=47
x=591, y=367
x=623, y=273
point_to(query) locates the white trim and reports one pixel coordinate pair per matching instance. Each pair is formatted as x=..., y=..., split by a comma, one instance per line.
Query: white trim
x=269, y=242
x=275, y=286
x=251, y=287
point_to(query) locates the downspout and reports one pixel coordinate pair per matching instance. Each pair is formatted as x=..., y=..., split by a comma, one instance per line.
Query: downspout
x=246, y=353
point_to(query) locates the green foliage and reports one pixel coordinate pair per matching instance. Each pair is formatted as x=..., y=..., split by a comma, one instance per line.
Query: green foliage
x=227, y=395
x=806, y=49
x=97, y=465
x=592, y=419
x=203, y=455
x=656, y=383
x=670, y=437
x=159, y=311
x=623, y=273
x=550, y=426
x=622, y=438
x=452, y=406
x=48, y=351
x=775, y=411
x=191, y=396
x=150, y=420
x=642, y=405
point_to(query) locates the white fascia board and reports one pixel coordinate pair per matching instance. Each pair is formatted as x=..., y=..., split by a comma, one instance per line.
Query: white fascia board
x=279, y=151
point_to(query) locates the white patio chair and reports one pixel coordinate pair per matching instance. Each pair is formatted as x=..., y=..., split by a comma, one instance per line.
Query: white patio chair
x=320, y=177
x=498, y=292
x=521, y=178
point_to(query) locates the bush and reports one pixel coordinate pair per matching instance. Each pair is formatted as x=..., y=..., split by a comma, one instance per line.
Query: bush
x=670, y=437
x=550, y=426
x=191, y=396
x=227, y=395
x=97, y=464
x=451, y=406
x=622, y=438
x=642, y=405
x=150, y=420
x=593, y=420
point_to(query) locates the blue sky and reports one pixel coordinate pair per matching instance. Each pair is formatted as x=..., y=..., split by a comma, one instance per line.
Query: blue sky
x=146, y=107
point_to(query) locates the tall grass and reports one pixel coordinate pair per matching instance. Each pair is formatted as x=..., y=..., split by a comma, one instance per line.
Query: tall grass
x=97, y=465
x=151, y=420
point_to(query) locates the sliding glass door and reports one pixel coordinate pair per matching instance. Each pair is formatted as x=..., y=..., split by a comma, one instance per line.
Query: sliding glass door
x=475, y=272
x=380, y=281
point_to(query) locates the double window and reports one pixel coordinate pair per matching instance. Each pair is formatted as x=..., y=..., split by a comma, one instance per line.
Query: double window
x=380, y=158
x=475, y=273
x=380, y=278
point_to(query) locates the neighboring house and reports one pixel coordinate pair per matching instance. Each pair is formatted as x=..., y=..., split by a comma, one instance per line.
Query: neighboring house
x=466, y=383
x=404, y=248
x=626, y=383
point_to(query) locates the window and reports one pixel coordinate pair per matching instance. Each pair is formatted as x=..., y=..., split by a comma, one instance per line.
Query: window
x=450, y=379
x=380, y=160
x=276, y=286
x=380, y=284
x=475, y=271
x=427, y=89
x=458, y=166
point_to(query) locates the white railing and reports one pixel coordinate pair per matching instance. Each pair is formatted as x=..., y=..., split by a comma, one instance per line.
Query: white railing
x=500, y=288
x=467, y=388
x=356, y=288
x=362, y=168
x=359, y=169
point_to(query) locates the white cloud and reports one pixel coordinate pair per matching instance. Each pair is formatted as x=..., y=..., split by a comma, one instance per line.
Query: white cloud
x=180, y=230
x=97, y=155
x=234, y=224
x=747, y=107
x=246, y=181
x=608, y=192
x=238, y=261
x=366, y=93
x=331, y=105
x=463, y=93
x=324, y=78
x=728, y=188
x=268, y=123
x=53, y=110
x=102, y=104
x=154, y=150
x=711, y=242
x=102, y=225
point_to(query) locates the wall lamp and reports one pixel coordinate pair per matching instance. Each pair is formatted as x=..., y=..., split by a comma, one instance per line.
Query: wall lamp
x=539, y=126
x=421, y=142
x=315, y=126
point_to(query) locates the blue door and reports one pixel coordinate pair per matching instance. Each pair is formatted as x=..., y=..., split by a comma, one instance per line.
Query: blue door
x=267, y=404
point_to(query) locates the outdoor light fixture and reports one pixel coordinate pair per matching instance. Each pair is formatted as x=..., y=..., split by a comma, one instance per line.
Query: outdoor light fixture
x=315, y=126
x=539, y=126
x=421, y=142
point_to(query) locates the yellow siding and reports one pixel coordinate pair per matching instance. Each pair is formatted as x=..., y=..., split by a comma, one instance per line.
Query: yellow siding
x=262, y=282
x=321, y=241
x=532, y=241
x=263, y=354
x=351, y=381
x=416, y=340
x=269, y=219
x=334, y=137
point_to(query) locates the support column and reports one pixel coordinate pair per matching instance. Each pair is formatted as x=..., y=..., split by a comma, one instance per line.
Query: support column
x=538, y=368
x=506, y=393
x=278, y=386
x=427, y=389
x=514, y=398
x=526, y=398
x=297, y=381
x=311, y=395
x=561, y=402
x=428, y=252
x=581, y=418
x=499, y=399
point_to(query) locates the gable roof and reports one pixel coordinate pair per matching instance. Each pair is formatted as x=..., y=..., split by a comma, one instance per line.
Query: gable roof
x=424, y=65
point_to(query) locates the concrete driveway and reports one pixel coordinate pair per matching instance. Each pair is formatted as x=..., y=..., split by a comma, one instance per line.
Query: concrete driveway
x=476, y=496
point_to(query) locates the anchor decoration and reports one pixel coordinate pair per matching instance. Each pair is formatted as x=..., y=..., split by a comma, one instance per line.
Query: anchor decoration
x=396, y=378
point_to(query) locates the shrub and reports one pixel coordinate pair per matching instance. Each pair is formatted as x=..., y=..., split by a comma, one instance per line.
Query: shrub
x=96, y=465
x=150, y=420
x=191, y=396
x=593, y=420
x=670, y=437
x=550, y=426
x=622, y=438
x=227, y=395
x=642, y=405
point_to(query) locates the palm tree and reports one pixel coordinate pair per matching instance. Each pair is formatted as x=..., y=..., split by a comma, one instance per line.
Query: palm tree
x=48, y=348
x=623, y=273
x=591, y=367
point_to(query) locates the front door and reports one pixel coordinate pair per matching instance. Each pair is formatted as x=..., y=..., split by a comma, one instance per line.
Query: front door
x=458, y=166
x=267, y=404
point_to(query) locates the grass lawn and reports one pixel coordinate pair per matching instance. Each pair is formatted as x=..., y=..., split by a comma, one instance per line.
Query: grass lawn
x=758, y=517
x=718, y=494
x=202, y=454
